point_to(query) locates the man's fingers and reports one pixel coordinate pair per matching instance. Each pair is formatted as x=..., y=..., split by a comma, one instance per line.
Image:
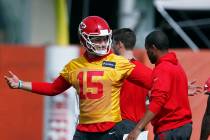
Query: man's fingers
x=7, y=78
x=11, y=73
x=199, y=87
x=193, y=82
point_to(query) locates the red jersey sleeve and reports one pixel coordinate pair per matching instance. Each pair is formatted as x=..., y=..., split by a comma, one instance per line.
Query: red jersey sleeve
x=160, y=89
x=58, y=86
x=141, y=75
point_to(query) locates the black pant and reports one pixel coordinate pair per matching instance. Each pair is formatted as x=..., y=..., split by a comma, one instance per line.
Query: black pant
x=121, y=128
x=205, y=128
x=79, y=135
x=116, y=133
x=180, y=133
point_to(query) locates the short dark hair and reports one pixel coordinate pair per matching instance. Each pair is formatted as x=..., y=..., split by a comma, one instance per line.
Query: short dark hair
x=126, y=36
x=159, y=39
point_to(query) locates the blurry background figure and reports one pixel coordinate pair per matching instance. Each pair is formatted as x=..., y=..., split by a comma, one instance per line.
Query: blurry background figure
x=132, y=97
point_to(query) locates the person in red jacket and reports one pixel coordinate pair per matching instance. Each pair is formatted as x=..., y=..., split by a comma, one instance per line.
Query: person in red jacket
x=132, y=96
x=205, y=127
x=169, y=110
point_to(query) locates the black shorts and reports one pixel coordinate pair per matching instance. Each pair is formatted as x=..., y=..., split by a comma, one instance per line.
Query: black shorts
x=181, y=133
x=116, y=133
x=121, y=128
x=79, y=135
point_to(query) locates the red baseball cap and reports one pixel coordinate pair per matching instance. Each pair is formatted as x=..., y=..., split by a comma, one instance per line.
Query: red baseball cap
x=207, y=85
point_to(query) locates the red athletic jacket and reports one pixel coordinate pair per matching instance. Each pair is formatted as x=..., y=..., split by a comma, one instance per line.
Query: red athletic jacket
x=169, y=95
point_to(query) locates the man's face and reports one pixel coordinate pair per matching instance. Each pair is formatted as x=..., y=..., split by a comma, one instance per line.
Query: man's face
x=151, y=53
x=116, y=47
x=99, y=44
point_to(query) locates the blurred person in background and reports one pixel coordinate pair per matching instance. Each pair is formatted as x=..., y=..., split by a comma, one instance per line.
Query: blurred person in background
x=97, y=77
x=132, y=96
x=169, y=110
x=205, y=128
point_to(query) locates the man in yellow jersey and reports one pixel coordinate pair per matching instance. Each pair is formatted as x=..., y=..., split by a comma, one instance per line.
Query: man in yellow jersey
x=97, y=76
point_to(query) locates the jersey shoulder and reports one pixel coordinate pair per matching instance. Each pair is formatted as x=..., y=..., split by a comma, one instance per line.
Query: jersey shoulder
x=78, y=60
x=121, y=62
x=118, y=59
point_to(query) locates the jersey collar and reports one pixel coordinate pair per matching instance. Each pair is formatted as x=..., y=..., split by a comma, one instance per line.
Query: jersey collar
x=97, y=58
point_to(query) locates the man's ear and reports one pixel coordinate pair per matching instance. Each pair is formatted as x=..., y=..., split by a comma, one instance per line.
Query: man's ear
x=121, y=45
x=154, y=47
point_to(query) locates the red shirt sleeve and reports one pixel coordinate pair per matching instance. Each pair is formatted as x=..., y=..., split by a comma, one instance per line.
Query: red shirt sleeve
x=141, y=75
x=58, y=86
x=160, y=89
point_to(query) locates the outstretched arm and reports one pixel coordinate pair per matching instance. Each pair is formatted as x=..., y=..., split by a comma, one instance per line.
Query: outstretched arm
x=57, y=86
x=141, y=75
x=15, y=83
x=139, y=127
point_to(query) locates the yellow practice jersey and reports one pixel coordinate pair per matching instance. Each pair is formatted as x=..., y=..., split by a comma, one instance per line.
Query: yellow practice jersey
x=98, y=84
